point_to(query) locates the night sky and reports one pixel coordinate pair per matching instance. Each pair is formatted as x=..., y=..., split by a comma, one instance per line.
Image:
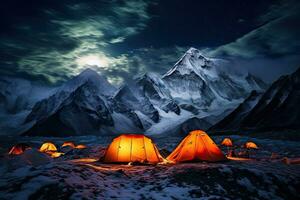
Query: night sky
x=52, y=40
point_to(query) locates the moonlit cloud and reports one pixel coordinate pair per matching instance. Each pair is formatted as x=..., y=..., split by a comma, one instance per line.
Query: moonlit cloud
x=74, y=37
x=117, y=40
x=270, y=50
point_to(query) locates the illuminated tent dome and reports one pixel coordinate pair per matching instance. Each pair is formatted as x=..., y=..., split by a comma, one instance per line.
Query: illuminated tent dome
x=48, y=147
x=227, y=142
x=132, y=148
x=68, y=144
x=197, y=146
x=19, y=149
x=250, y=145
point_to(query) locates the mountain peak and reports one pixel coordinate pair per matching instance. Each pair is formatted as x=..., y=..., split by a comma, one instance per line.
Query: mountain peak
x=89, y=75
x=193, y=50
x=192, y=61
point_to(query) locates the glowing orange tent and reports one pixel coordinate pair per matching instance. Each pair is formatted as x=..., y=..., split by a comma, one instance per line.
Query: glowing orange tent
x=68, y=144
x=251, y=145
x=197, y=146
x=48, y=147
x=132, y=148
x=227, y=142
x=19, y=149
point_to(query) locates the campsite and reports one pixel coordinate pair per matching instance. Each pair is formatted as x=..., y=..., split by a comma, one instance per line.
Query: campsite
x=78, y=173
x=150, y=100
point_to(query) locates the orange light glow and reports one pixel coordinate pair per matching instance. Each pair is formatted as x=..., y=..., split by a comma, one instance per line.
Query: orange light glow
x=84, y=160
x=55, y=154
x=132, y=148
x=227, y=142
x=68, y=144
x=80, y=146
x=251, y=145
x=238, y=158
x=197, y=146
x=19, y=149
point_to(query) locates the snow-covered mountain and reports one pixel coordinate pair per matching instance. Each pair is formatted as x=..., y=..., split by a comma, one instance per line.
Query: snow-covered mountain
x=88, y=79
x=196, y=89
x=81, y=106
x=17, y=98
x=233, y=120
x=278, y=108
x=82, y=112
x=205, y=81
x=153, y=86
x=132, y=98
x=14, y=93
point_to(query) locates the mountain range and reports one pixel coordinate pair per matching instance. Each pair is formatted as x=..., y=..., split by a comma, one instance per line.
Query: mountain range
x=196, y=91
x=276, y=109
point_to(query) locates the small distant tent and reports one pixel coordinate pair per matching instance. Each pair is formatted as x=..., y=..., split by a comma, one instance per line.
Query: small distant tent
x=19, y=149
x=48, y=147
x=197, y=146
x=250, y=145
x=132, y=148
x=227, y=142
x=68, y=144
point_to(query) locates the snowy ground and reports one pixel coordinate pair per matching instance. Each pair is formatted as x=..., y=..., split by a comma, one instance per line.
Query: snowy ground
x=36, y=176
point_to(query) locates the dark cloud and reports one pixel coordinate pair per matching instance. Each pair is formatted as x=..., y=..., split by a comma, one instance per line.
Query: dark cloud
x=278, y=35
x=270, y=50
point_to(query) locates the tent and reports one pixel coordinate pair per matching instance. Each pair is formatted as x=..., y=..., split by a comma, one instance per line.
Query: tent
x=197, y=146
x=68, y=144
x=48, y=147
x=19, y=149
x=132, y=148
x=227, y=142
x=250, y=145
